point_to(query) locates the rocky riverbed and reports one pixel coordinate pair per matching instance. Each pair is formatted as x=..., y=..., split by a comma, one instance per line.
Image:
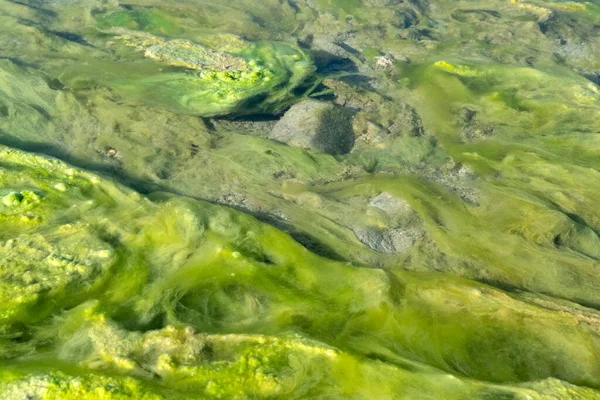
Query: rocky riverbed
x=299, y=199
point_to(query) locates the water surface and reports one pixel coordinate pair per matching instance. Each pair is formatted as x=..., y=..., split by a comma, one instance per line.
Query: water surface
x=299, y=199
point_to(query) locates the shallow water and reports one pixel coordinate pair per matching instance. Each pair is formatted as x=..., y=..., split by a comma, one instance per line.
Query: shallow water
x=299, y=199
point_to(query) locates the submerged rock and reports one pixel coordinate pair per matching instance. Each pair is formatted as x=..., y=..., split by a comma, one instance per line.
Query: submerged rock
x=184, y=53
x=384, y=62
x=388, y=240
x=316, y=125
x=390, y=204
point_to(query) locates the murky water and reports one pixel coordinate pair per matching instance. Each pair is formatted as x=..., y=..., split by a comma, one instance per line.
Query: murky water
x=299, y=199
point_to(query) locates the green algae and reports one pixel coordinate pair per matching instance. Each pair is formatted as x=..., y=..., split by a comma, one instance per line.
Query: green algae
x=144, y=20
x=62, y=386
x=176, y=254
x=233, y=76
x=483, y=126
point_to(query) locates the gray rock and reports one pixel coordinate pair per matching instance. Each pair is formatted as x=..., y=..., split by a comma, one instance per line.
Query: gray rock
x=388, y=241
x=460, y=180
x=316, y=125
x=384, y=62
x=329, y=45
x=255, y=127
x=391, y=205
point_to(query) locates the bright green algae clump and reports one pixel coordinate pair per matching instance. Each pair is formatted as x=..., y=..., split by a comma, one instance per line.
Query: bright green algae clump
x=221, y=75
x=263, y=81
x=270, y=310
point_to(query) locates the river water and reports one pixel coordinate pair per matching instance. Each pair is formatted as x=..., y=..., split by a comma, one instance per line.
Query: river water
x=299, y=199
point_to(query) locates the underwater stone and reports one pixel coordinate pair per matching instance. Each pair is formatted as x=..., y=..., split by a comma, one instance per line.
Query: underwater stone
x=329, y=50
x=390, y=204
x=184, y=53
x=316, y=125
x=387, y=241
x=384, y=62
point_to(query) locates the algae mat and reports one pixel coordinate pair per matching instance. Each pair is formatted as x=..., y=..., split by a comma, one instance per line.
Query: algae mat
x=156, y=243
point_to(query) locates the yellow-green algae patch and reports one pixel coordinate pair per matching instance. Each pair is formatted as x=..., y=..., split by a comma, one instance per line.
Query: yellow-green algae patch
x=205, y=302
x=215, y=75
x=60, y=386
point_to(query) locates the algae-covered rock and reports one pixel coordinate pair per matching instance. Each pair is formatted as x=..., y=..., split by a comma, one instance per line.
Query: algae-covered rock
x=390, y=204
x=150, y=319
x=39, y=271
x=57, y=385
x=396, y=240
x=316, y=125
x=450, y=253
x=183, y=53
x=44, y=263
x=236, y=365
x=221, y=75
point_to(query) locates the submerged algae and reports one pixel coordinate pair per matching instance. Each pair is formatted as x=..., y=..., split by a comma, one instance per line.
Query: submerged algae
x=55, y=386
x=189, y=266
x=483, y=125
x=221, y=74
